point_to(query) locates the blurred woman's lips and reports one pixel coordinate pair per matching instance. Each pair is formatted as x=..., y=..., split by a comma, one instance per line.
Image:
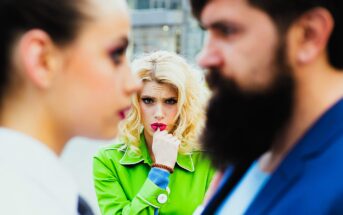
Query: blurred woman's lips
x=157, y=125
x=122, y=113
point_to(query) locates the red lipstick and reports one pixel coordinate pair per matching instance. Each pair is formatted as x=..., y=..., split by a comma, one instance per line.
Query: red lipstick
x=123, y=112
x=157, y=125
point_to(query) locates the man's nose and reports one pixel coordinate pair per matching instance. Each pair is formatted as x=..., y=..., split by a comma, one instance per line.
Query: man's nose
x=210, y=55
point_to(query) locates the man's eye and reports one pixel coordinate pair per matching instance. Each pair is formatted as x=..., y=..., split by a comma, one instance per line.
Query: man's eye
x=147, y=100
x=171, y=101
x=117, y=55
x=227, y=31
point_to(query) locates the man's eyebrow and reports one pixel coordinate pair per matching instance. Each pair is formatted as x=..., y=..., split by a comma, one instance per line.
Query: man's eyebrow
x=219, y=24
x=214, y=25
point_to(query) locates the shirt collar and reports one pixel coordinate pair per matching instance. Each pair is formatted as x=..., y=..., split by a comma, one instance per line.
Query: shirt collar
x=38, y=164
x=132, y=157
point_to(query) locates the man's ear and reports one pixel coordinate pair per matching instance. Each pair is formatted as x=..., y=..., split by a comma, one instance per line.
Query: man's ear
x=314, y=30
x=37, y=55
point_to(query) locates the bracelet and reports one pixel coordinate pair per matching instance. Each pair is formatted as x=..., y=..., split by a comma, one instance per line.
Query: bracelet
x=169, y=169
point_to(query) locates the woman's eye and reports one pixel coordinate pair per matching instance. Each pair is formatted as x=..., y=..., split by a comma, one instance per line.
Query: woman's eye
x=147, y=100
x=117, y=55
x=171, y=101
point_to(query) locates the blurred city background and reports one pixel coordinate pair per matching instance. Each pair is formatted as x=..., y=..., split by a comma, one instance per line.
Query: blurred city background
x=157, y=25
x=164, y=25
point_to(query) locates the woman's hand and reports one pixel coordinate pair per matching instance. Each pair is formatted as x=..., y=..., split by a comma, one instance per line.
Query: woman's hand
x=165, y=148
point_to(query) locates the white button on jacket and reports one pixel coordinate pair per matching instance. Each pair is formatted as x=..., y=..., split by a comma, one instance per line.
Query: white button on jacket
x=162, y=198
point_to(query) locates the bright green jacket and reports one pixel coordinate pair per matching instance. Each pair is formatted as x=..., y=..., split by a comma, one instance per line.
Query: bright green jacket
x=123, y=187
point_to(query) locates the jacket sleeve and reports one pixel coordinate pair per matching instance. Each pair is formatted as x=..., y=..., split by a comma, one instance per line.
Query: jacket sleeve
x=112, y=198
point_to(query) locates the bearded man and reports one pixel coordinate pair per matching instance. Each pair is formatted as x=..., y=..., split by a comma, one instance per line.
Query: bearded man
x=275, y=121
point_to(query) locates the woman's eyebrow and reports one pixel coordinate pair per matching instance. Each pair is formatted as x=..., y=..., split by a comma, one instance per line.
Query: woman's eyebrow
x=146, y=96
x=166, y=98
x=124, y=41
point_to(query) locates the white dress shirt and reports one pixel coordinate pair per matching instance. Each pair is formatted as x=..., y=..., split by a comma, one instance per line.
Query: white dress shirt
x=32, y=178
x=245, y=191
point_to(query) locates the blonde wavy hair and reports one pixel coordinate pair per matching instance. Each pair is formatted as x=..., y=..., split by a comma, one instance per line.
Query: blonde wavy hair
x=169, y=68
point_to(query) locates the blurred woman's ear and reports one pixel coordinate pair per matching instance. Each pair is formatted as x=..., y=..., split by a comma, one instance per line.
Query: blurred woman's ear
x=37, y=56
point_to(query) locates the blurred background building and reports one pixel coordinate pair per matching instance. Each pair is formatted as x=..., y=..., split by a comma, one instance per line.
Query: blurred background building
x=157, y=25
x=164, y=25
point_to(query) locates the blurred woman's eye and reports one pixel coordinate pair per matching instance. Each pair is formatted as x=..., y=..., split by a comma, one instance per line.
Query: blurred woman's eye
x=117, y=55
x=171, y=101
x=147, y=100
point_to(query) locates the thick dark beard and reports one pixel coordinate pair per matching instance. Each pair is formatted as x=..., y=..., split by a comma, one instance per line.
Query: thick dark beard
x=241, y=126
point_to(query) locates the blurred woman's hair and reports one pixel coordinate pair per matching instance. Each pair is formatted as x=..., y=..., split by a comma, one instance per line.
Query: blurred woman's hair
x=169, y=68
x=60, y=19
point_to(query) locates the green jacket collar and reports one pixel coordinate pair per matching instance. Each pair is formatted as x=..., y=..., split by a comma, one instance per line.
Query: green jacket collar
x=131, y=157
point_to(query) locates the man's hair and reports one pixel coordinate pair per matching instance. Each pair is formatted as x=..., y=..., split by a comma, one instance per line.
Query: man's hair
x=285, y=12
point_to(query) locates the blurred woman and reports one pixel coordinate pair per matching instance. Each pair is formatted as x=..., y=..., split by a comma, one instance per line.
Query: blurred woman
x=63, y=74
x=157, y=166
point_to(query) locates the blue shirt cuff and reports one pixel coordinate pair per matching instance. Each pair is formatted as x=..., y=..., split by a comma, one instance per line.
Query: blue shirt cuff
x=159, y=177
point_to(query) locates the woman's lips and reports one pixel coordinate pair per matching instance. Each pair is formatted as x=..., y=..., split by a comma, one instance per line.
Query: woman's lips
x=161, y=126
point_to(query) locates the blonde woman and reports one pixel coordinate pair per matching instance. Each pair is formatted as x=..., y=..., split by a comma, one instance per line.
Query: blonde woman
x=157, y=166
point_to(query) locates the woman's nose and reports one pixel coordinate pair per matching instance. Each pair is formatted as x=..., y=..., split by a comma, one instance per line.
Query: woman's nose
x=159, y=112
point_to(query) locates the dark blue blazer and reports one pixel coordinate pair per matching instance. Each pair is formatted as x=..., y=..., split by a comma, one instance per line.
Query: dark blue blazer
x=310, y=178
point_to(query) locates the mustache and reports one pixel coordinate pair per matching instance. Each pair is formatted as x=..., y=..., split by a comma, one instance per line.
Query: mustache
x=216, y=81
